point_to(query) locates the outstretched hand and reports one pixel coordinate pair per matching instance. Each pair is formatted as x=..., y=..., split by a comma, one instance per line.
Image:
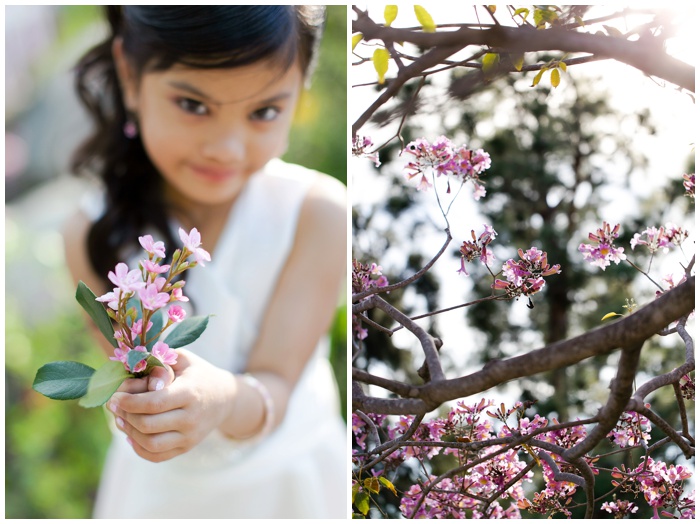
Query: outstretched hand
x=173, y=409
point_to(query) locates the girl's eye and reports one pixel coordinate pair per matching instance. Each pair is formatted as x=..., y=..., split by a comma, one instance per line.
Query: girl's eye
x=192, y=106
x=266, y=114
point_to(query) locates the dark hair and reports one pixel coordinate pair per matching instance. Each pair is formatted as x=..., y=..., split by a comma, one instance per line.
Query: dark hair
x=156, y=38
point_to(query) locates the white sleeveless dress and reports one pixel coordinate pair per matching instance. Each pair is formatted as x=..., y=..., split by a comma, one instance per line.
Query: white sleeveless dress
x=298, y=471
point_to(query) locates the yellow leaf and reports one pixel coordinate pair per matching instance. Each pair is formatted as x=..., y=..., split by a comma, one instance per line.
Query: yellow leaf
x=610, y=315
x=518, y=61
x=362, y=503
x=492, y=8
x=538, y=77
x=380, y=59
x=371, y=484
x=390, y=13
x=562, y=66
x=489, y=63
x=424, y=19
x=387, y=483
x=555, y=77
x=356, y=39
x=522, y=11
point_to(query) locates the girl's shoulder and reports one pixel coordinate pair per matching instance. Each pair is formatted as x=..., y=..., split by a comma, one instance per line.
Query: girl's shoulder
x=323, y=191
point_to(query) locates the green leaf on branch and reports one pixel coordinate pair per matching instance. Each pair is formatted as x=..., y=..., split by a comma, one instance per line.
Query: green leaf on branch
x=187, y=331
x=522, y=11
x=356, y=39
x=103, y=383
x=63, y=380
x=86, y=298
x=424, y=19
x=362, y=502
x=134, y=357
x=390, y=13
x=380, y=59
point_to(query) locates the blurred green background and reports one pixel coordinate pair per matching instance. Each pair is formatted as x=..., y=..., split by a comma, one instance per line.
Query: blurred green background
x=54, y=450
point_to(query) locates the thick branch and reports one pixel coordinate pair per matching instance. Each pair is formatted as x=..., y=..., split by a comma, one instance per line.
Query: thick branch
x=647, y=56
x=627, y=332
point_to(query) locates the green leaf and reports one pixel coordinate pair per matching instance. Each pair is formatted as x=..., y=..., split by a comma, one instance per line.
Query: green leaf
x=187, y=331
x=388, y=484
x=424, y=19
x=390, y=13
x=522, y=11
x=356, y=39
x=103, y=383
x=380, y=59
x=555, y=78
x=63, y=380
x=134, y=357
x=538, y=77
x=489, y=62
x=362, y=502
x=86, y=298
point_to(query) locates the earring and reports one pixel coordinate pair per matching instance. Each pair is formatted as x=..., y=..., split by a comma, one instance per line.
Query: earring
x=130, y=129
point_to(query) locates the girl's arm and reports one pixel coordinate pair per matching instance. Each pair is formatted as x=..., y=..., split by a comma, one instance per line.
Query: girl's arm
x=165, y=423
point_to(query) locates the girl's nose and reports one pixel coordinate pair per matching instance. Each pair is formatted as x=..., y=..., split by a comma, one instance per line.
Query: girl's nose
x=225, y=148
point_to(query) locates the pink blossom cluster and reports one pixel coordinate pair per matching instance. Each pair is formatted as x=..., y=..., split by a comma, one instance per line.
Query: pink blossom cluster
x=526, y=276
x=661, y=485
x=689, y=185
x=365, y=277
x=360, y=147
x=663, y=237
x=603, y=251
x=477, y=247
x=687, y=384
x=442, y=157
x=632, y=429
x=619, y=508
x=152, y=284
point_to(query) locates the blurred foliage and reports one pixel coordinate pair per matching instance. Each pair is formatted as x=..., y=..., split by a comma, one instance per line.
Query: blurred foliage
x=54, y=450
x=319, y=137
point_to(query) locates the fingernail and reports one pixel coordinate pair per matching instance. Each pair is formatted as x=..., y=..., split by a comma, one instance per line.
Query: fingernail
x=120, y=422
x=112, y=407
x=159, y=384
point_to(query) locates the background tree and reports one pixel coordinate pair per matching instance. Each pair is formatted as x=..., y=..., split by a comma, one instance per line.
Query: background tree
x=527, y=180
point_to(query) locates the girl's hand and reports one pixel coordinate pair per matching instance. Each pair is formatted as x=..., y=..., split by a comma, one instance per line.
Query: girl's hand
x=163, y=423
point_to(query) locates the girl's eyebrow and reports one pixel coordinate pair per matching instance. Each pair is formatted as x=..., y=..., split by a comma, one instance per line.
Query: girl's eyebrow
x=191, y=89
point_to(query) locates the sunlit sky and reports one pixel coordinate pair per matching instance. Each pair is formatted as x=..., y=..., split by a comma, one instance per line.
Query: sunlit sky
x=672, y=111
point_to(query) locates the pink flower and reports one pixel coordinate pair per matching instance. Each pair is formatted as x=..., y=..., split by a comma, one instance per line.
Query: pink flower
x=178, y=296
x=112, y=298
x=153, y=248
x=151, y=298
x=152, y=267
x=137, y=328
x=120, y=353
x=176, y=314
x=689, y=185
x=192, y=241
x=124, y=279
x=163, y=353
x=604, y=252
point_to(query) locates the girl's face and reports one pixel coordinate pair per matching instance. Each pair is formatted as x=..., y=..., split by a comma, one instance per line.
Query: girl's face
x=208, y=130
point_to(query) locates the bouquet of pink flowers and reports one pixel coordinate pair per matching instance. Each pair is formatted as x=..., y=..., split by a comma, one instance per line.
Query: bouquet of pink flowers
x=133, y=323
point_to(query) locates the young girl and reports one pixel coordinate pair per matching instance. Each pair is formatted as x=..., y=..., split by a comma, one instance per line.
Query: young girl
x=193, y=105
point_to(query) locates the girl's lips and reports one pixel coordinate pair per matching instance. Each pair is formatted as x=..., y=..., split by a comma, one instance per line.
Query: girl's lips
x=213, y=173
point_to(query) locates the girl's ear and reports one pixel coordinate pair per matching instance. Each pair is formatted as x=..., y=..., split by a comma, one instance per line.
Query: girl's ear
x=127, y=76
